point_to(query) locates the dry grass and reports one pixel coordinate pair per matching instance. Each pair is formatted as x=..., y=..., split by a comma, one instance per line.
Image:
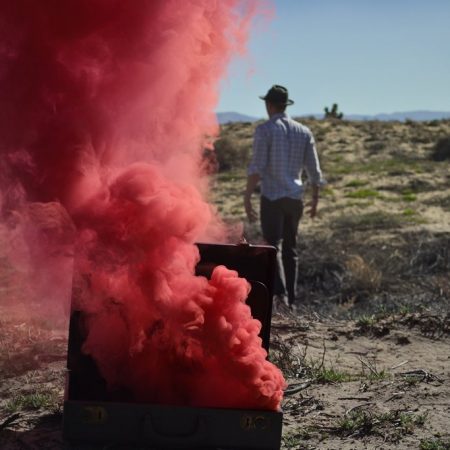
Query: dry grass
x=362, y=276
x=383, y=232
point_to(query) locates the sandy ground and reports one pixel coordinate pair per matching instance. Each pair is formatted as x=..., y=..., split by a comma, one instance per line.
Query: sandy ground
x=390, y=377
x=398, y=385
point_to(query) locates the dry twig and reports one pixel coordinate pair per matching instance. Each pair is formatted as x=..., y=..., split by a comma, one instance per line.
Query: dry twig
x=420, y=373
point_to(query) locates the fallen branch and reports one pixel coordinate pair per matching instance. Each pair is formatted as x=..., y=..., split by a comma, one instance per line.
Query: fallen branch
x=362, y=405
x=425, y=376
x=293, y=389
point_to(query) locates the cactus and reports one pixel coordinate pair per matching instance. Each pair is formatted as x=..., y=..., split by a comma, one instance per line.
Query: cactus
x=334, y=114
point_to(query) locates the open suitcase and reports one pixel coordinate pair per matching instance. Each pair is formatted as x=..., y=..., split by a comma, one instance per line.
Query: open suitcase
x=93, y=419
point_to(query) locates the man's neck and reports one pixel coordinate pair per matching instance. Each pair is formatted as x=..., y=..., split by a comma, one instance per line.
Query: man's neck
x=277, y=113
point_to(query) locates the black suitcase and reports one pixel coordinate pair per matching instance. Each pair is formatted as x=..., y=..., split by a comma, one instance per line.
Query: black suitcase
x=93, y=418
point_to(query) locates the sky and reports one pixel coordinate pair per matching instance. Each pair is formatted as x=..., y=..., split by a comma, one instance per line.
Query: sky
x=368, y=56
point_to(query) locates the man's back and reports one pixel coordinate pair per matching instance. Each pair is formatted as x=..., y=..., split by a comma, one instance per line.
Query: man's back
x=282, y=148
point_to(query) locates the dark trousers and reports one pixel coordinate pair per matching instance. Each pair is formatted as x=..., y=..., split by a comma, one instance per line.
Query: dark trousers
x=279, y=222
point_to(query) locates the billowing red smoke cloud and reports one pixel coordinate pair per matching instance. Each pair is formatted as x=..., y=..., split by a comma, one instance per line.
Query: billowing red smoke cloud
x=104, y=110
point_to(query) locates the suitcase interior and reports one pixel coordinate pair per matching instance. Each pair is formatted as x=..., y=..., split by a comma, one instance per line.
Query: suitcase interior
x=93, y=414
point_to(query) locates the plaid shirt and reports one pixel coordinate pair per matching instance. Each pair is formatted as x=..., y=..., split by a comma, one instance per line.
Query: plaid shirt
x=282, y=148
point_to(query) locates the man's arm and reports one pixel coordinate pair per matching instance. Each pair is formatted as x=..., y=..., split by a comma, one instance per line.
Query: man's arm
x=314, y=173
x=252, y=181
x=256, y=167
x=314, y=201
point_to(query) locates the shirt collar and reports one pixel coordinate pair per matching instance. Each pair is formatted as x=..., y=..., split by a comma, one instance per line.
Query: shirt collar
x=281, y=115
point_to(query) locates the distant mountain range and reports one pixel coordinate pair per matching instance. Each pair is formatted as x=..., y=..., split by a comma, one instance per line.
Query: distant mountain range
x=419, y=116
x=227, y=117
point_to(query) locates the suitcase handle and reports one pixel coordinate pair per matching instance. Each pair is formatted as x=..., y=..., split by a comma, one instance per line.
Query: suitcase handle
x=196, y=436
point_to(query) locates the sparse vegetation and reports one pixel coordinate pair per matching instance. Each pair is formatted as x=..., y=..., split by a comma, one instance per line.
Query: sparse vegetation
x=330, y=375
x=363, y=193
x=434, y=444
x=33, y=400
x=373, y=255
x=368, y=221
x=356, y=183
x=366, y=321
x=392, y=424
x=392, y=167
x=441, y=151
x=409, y=196
x=409, y=212
x=282, y=355
x=374, y=291
x=296, y=440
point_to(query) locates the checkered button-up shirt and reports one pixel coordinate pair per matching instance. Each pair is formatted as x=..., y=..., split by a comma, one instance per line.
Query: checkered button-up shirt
x=282, y=149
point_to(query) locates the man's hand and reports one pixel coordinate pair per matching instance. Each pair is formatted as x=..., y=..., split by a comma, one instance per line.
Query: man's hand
x=312, y=211
x=313, y=203
x=252, y=181
x=249, y=210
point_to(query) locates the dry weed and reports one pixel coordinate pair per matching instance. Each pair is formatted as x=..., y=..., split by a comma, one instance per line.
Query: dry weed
x=361, y=275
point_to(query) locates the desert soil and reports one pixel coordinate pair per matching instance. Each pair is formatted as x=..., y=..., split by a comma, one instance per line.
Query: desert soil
x=366, y=352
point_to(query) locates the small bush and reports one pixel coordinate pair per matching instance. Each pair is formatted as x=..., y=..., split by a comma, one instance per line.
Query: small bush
x=356, y=183
x=330, y=375
x=409, y=212
x=231, y=154
x=441, y=151
x=361, y=276
x=409, y=196
x=363, y=193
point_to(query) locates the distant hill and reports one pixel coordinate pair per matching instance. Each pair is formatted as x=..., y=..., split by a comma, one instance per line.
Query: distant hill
x=227, y=117
x=419, y=116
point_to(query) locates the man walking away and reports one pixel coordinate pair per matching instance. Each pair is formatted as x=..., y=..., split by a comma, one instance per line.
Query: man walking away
x=282, y=149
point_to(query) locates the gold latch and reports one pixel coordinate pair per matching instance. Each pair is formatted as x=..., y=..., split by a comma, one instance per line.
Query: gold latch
x=94, y=414
x=254, y=422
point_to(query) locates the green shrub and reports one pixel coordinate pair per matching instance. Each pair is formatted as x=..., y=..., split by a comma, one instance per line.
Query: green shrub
x=363, y=193
x=409, y=196
x=356, y=183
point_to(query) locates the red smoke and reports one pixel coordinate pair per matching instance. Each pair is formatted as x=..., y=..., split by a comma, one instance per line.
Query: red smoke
x=105, y=106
